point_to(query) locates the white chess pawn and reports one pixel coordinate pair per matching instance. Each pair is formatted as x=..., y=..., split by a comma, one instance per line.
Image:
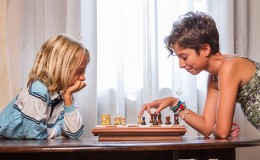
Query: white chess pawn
x=139, y=121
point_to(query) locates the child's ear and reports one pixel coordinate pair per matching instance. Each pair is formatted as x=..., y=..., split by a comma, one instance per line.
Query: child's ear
x=206, y=49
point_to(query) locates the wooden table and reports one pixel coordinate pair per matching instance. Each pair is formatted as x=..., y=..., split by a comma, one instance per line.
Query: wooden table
x=80, y=149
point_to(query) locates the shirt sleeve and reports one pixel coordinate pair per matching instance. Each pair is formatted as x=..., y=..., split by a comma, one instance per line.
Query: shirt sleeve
x=34, y=116
x=73, y=123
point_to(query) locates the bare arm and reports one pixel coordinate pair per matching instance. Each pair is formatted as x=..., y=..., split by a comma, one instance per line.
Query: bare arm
x=219, y=108
x=202, y=123
x=229, y=80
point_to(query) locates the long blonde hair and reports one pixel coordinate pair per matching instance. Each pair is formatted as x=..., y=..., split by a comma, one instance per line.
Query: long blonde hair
x=57, y=62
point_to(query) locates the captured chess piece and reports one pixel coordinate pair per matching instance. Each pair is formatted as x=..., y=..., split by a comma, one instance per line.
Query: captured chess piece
x=155, y=122
x=143, y=121
x=168, y=120
x=159, y=118
x=176, y=118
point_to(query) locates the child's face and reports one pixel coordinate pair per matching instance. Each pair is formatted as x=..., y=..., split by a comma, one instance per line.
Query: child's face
x=190, y=60
x=80, y=73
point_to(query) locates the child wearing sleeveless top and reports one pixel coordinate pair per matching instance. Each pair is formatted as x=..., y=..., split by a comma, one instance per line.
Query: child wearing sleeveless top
x=232, y=79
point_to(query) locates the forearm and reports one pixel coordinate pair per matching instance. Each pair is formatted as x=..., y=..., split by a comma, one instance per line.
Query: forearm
x=67, y=99
x=216, y=134
x=221, y=132
x=72, y=123
x=198, y=122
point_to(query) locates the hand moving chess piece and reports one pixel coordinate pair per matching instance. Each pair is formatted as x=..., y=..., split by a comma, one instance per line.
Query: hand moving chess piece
x=143, y=121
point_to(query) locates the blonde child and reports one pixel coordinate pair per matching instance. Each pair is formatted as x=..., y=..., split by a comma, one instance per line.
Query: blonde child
x=46, y=109
x=232, y=78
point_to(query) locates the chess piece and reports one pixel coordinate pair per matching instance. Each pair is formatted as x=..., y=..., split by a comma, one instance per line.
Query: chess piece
x=104, y=117
x=143, y=121
x=168, y=120
x=115, y=121
x=108, y=120
x=155, y=122
x=119, y=120
x=152, y=119
x=176, y=118
x=159, y=118
x=123, y=121
x=139, y=121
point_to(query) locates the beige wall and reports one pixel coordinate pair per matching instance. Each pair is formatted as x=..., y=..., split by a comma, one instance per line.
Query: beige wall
x=5, y=90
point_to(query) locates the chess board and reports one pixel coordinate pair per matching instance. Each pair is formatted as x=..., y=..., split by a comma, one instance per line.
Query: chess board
x=139, y=132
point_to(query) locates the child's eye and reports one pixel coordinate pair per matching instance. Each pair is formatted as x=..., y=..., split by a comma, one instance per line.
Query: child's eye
x=184, y=58
x=80, y=72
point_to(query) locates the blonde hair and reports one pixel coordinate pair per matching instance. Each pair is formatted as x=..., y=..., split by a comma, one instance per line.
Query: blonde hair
x=57, y=62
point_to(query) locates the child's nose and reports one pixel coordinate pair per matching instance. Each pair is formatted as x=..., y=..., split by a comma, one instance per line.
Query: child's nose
x=181, y=63
x=82, y=77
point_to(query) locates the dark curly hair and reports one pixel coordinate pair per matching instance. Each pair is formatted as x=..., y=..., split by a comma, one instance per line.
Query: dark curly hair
x=193, y=30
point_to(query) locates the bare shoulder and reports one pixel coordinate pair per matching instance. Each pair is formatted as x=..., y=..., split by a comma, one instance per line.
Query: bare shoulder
x=238, y=69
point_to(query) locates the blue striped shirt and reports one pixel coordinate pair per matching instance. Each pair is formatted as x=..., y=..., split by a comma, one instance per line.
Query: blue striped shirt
x=37, y=114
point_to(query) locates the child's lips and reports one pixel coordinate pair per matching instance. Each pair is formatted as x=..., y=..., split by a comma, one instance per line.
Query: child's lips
x=188, y=70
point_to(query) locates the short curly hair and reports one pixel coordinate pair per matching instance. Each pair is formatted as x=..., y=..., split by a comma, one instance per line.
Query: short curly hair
x=193, y=30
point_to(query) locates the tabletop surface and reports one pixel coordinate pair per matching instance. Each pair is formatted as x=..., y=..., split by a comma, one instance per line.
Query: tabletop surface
x=92, y=144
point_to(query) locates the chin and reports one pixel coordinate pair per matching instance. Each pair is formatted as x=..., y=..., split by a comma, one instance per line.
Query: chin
x=194, y=72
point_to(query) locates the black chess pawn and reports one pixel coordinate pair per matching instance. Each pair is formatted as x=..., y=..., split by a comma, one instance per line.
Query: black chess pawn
x=152, y=119
x=155, y=122
x=160, y=118
x=176, y=118
x=143, y=121
x=168, y=120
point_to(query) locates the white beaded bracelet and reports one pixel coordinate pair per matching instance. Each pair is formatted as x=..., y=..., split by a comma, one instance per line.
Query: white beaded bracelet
x=186, y=111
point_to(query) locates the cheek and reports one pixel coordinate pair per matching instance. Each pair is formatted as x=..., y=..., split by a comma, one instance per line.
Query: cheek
x=195, y=62
x=190, y=63
x=73, y=80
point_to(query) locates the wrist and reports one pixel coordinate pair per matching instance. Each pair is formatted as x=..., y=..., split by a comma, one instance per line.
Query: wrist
x=178, y=106
x=67, y=100
x=185, y=112
x=175, y=102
